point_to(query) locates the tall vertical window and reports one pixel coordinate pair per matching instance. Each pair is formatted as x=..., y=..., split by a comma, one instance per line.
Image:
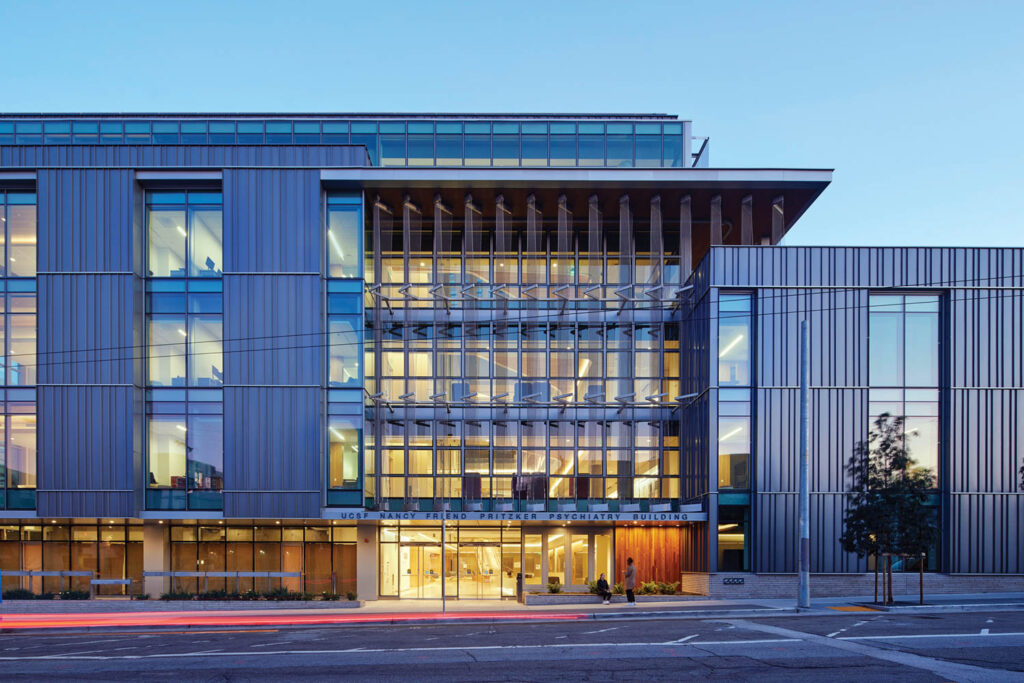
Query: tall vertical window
x=734, y=340
x=345, y=353
x=18, y=350
x=345, y=236
x=185, y=358
x=903, y=367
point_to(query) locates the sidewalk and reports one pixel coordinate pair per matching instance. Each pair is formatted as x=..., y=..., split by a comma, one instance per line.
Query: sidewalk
x=192, y=614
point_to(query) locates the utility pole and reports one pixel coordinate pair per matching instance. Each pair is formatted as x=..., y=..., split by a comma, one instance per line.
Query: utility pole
x=804, y=563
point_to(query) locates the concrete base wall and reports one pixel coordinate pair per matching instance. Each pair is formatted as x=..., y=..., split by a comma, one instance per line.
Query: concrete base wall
x=840, y=585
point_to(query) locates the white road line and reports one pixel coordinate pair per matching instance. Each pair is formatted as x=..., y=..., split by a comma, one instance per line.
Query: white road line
x=470, y=648
x=603, y=630
x=684, y=639
x=744, y=642
x=933, y=635
x=834, y=633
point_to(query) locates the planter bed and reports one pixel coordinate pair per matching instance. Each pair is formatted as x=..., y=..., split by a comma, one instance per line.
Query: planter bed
x=591, y=599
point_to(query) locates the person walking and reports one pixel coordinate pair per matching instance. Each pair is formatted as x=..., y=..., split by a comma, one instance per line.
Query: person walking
x=603, y=590
x=630, y=582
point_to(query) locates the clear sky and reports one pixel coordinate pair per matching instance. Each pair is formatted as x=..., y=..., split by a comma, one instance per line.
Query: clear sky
x=917, y=105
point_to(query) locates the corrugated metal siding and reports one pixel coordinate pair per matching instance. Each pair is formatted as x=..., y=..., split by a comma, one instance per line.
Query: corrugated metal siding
x=272, y=452
x=85, y=333
x=85, y=220
x=183, y=156
x=983, y=421
x=272, y=221
x=87, y=456
x=277, y=322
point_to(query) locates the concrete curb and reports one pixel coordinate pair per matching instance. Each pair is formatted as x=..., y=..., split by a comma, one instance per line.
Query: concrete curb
x=924, y=609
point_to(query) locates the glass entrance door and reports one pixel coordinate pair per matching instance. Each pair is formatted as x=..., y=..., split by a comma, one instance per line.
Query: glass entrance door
x=421, y=571
x=480, y=571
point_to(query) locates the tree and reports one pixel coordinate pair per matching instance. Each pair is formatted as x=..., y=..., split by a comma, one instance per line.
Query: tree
x=888, y=514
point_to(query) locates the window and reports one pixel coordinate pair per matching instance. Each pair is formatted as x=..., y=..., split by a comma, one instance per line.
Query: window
x=344, y=440
x=734, y=439
x=903, y=366
x=734, y=340
x=185, y=355
x=733, y=538
x=18, y=359
x=185, y=234
x=345, y=236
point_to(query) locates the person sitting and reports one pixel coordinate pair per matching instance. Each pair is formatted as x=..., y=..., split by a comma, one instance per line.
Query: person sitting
x=603, y=590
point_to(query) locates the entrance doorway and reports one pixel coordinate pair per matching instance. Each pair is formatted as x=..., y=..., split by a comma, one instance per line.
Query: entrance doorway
x=421, y=571
x=479, y=571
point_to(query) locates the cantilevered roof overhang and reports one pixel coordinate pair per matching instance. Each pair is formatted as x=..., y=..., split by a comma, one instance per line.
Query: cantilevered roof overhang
x=797, y=188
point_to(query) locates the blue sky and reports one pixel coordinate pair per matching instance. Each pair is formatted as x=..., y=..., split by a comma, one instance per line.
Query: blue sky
x=916, y=105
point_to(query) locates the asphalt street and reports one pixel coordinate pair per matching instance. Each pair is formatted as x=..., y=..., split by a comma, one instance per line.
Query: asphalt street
x=861, y=646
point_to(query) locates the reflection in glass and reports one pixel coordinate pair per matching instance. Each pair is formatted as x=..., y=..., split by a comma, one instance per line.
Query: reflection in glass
x=206, y=360
x=733, y=452
x=206, y=235
x=734, y=340
x=345, y=352
x=206, y=452
x=21, y=349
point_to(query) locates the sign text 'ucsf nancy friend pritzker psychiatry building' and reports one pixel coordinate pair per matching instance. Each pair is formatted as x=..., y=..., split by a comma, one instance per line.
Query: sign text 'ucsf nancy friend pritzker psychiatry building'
x=293, y=343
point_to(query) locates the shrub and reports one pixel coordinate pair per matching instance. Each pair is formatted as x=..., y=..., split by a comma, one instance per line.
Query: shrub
x=352, y=596
x=74, y=595
x=326, y=595
x=619, y=588
x=668, y=588
x=140, y=596
x=554, y=587
x=592, y=585
x=219, y=595
x=250, y=595
x=285, y=594
x=177, y=595
x=648, y=588
x=19, y=594
x=46, y=596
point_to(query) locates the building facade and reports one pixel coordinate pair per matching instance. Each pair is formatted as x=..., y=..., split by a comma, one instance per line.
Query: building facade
x=407, y=356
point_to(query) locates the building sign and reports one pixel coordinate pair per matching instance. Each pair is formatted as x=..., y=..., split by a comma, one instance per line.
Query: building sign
x=520, y=516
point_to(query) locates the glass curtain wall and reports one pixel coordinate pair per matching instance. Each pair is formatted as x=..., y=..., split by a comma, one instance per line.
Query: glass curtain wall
x=513, y=330
x=18, y=361
x=185, y=356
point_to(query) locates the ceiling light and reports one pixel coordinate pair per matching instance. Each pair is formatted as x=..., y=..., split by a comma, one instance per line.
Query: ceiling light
x=182, y=427
x=182, y=231
x=728, y=348
x=182, y=332
x=335, y=245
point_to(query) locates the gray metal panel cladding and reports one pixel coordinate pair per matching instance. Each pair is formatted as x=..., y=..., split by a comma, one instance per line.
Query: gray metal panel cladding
x=183, y=156
x=86, y=454
x=272, y=221
x=85, y=220
x=983, y=396
x=272, y=465
x=85, y=332
x=274, y=328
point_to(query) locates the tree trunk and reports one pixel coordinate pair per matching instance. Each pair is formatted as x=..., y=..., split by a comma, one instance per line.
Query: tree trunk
x=920, y=582
x=876, y=579
x=889, y=569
